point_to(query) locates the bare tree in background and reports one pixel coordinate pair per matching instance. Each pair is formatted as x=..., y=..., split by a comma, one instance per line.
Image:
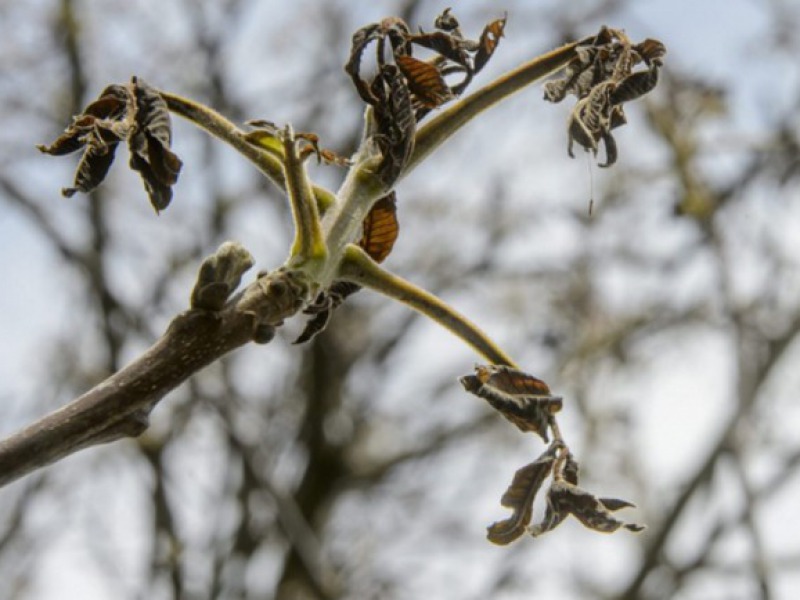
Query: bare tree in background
x=353, y=467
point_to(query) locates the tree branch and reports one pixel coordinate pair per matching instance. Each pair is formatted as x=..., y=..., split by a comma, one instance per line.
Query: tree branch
x=120, y=406
x=359, y=268
x=446, y=123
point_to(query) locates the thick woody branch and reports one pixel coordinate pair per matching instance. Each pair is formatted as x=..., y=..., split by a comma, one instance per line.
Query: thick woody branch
x=120, y=406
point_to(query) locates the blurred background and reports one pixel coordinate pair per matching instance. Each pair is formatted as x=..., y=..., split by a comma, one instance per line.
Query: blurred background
x=356, y=466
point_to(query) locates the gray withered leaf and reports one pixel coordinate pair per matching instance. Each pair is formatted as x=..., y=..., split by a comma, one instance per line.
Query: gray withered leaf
x=565, y=498
x=394, y=114
x=520, y=397
x=603, y=77
x=149, y=145
x=520, y=496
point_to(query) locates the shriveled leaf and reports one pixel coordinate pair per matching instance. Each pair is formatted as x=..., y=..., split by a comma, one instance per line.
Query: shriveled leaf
x=98, y=130
x=424, y=81
x=322, y=307
x=135, y=113
x=635, y=85
x=150, y=144
x=381, y=228
x=603, y=77
x=651, y=51
x=394, y=114
x=450, y=46
x=521, y=398
x=488, y=43
x=92, y=169
x=520, y=496
x=446, y=21
x=564, y=499
x=360, y=41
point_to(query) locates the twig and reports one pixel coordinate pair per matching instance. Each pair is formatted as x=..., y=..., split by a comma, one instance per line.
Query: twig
x=359, y=268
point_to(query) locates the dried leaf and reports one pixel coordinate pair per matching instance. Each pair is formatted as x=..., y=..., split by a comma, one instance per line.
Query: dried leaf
x=98, y=130
x=488, y=43
x=149, y=145
x=564, y=499
x=520, y=496
x=381, y=228
x=635, y=85
x=424, y=81
x=450, y=46
x=602, y=76
x=651, y=51
x=394, y=114
x=135, y=113
x=322, y=307
x=519, y=397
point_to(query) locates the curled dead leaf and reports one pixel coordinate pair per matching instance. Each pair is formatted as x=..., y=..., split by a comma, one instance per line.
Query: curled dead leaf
x=520, y=496
x=564, y=499
x=603, y=77
x=135, y=113
x=520, y=397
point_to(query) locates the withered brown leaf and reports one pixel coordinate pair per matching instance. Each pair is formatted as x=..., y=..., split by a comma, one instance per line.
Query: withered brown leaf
x=488, y=42
x=135, y=113
x=564, y=499
x=380, y=228
x=520, y=397
x=404, y=89
x=602, y=76
x=149, y=145
x=425, y=81
x=520, y=496
x=99, y=129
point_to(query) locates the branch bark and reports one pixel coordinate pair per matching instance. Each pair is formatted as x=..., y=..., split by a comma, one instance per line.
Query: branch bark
x=120, y=406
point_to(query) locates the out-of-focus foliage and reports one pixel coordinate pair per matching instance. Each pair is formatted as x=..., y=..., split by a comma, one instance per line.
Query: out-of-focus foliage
x=354, y=466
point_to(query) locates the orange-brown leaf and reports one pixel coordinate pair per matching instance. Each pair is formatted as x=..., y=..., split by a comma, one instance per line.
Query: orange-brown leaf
x=424, y=81
x=489, y=39
x=381, y=228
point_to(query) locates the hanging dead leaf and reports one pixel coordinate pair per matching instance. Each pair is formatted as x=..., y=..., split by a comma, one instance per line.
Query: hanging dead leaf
x=602, y=76
x=564, y=499
x=520, y=496
x=135, y=113
x=98, y=130
x=149, y=145
x=322, y=307
x=521, y=398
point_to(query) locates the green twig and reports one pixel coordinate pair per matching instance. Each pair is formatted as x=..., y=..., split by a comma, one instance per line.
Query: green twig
x=438, y=129
x=217, y=125
x=309, y=243
x=359, y=268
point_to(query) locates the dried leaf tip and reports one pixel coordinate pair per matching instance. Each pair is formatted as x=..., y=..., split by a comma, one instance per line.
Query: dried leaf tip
x=135, y=113
x=603, y=77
